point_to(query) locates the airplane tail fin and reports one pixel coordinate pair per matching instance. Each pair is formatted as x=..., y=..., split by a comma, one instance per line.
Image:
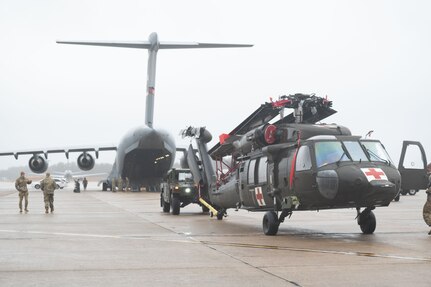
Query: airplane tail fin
x=153, y=45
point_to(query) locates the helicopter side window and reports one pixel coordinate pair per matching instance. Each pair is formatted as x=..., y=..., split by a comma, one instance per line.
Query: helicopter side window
x=262, y=170
x=355, y=151
x=303, y=159
x=251, y=167
x=328, y=152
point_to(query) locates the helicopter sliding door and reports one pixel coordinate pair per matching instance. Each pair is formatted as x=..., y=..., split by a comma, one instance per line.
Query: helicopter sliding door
x=256, y=193
x=412, y=167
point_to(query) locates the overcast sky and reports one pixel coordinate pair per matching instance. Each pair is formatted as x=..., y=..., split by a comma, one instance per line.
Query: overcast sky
x=371, y=58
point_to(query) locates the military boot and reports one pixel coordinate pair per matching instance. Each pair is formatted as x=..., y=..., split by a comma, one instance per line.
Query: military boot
x=46, y=210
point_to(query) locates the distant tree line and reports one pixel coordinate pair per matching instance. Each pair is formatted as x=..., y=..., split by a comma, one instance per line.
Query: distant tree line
x=13, y=172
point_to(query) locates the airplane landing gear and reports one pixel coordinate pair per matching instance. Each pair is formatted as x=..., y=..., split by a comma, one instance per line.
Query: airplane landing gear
x=270, y=223
x=367, y=220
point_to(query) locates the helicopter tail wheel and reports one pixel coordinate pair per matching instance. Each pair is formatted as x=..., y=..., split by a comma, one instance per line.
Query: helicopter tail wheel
x=367, y=222
x=220, y=214
x=270, y=223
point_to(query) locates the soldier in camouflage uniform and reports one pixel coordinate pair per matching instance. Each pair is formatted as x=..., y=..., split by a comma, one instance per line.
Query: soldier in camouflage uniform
x=127, y=183
x=21, y=185
x=48, y=186
x=120, y=184
x=113, y=184
x=427, y=209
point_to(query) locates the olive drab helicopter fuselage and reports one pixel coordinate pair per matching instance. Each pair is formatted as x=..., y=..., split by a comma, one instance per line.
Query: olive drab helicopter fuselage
x=294, y=164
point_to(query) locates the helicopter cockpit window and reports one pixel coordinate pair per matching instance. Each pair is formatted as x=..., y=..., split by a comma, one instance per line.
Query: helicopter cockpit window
x=355, y=151
x=262, y=170
x=329, y=152
x=251, y=167
x=376, y=151
x=303, y=159
x=185, y=176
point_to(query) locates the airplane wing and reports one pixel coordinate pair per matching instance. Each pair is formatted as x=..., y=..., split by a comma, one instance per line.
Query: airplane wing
x=39, y=164
x=66, y=151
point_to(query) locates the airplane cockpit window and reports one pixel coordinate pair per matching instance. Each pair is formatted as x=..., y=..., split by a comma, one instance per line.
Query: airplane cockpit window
x=355, y=151
x=376, y=151
x=329, y=152
x=185, y=176
x=303, y=159
x=262, y=170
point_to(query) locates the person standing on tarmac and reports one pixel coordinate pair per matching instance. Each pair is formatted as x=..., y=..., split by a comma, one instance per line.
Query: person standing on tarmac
x=21, y=185
x=127, y=184
x=48, y=186
x=84, y=183
x=113, y=184
x=120, y=184
x=427, y=209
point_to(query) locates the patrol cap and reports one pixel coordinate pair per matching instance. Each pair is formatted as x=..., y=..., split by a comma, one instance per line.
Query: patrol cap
x=48, y=174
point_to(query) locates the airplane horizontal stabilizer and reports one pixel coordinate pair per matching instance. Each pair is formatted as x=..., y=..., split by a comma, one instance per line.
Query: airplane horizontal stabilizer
x=162, y=45
x=190, y=45
x=136, y=45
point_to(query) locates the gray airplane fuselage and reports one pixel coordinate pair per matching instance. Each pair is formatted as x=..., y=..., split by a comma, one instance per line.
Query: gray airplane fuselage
x=144, y=156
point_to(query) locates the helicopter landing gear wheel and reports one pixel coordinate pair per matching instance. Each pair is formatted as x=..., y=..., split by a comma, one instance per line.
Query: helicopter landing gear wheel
x=220, y=214
x=367, y=221
x=270, y=223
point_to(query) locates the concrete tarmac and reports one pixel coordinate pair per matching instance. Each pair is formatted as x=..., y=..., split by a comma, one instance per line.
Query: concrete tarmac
x=97, y=238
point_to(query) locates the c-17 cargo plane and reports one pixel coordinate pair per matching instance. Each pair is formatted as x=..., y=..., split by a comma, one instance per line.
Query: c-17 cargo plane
x=145, y=154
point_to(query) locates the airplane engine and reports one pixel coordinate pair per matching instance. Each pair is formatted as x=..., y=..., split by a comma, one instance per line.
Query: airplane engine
x=85, y=161
x=37, y=164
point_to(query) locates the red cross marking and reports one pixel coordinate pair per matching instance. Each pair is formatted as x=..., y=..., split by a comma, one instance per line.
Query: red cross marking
x=376, y=174
x=259, y=195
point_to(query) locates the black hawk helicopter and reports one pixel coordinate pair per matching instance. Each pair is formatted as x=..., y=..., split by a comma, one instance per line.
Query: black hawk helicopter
x=293, y=164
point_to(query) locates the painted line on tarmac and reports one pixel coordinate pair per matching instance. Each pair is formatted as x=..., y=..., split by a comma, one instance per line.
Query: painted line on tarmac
x=242, y=245
x=127, y=236
x=365, y=254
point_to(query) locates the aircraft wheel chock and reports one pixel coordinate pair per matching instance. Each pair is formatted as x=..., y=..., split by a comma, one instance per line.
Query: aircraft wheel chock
x=270, y=223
